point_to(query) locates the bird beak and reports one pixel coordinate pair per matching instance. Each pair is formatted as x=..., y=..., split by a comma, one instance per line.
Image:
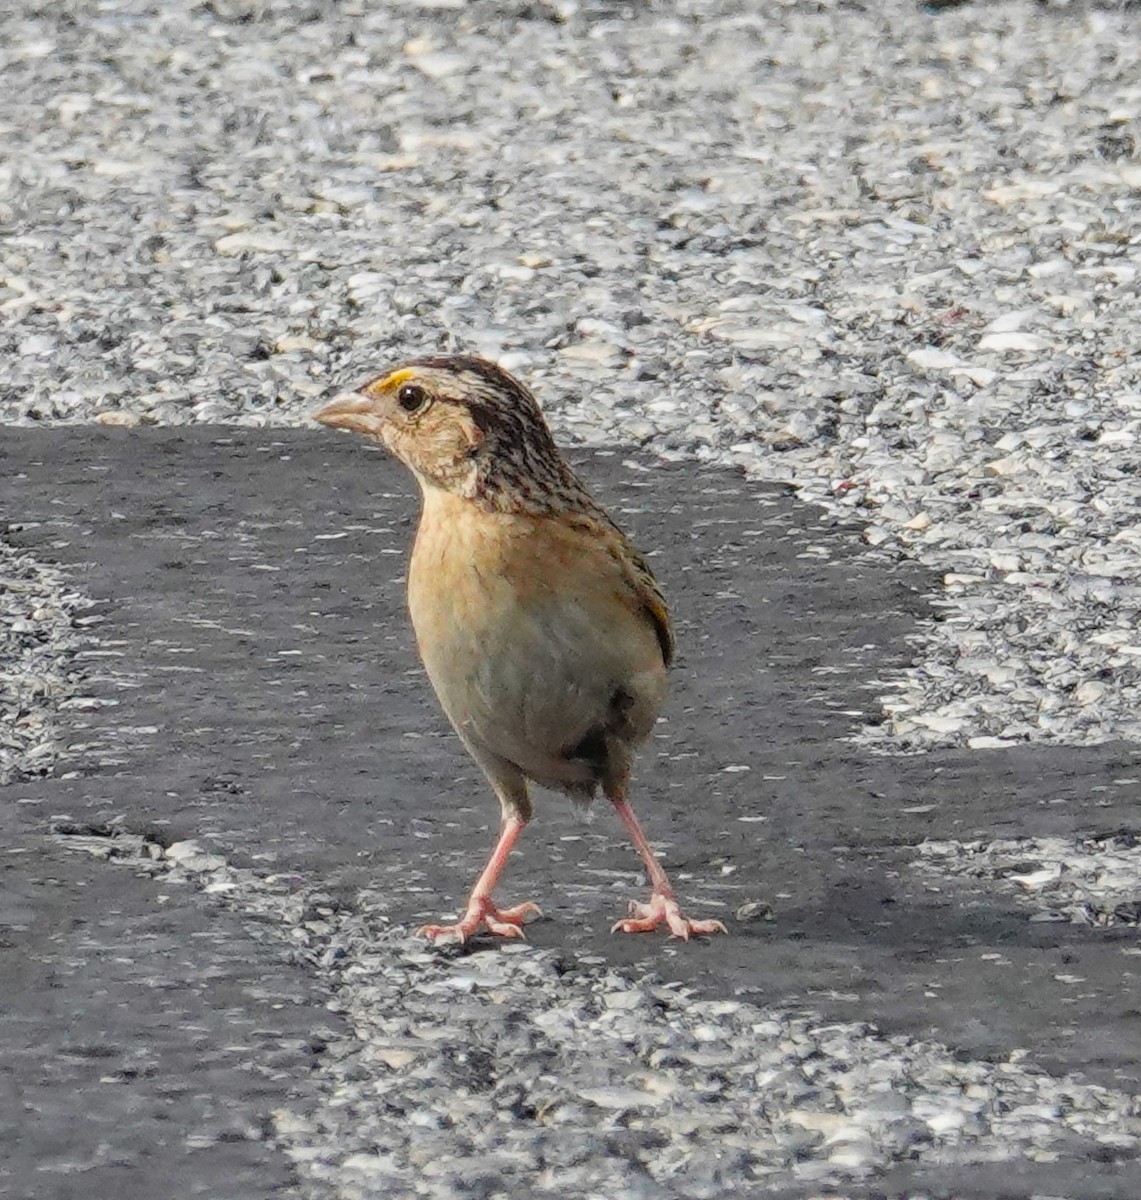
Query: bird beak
x=350, y=410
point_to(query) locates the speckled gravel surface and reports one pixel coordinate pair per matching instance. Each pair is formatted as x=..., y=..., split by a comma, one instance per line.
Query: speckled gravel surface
x=1091, y=881
x=44, y=637
x=519, y=1071
x=885, y=253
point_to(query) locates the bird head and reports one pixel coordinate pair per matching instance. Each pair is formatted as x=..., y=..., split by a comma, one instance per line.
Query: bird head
x=461, y=424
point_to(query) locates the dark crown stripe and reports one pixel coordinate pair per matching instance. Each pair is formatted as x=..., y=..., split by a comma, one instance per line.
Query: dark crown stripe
x=491, y=374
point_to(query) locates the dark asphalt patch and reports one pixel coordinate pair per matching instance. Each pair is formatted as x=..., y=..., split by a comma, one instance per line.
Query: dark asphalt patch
x=251, y=584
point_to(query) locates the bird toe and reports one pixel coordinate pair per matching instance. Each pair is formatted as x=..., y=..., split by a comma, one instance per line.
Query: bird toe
x=662, y=909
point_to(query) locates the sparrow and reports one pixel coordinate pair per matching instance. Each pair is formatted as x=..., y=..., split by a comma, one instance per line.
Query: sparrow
x=541, y=628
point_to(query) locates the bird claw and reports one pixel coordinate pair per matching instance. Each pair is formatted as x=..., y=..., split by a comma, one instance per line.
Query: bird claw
x=644, y=918
x=504, y=922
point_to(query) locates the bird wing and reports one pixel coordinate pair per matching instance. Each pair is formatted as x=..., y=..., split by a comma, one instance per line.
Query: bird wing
x=642, y=583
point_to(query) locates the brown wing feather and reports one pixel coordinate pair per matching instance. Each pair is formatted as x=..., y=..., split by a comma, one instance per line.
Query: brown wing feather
x=645, y=586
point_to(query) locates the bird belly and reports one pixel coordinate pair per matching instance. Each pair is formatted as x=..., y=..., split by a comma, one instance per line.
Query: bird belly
x=527, y=671
x=530, y=689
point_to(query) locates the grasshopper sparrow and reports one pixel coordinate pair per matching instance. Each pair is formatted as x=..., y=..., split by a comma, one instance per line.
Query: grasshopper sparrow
x=540, y=626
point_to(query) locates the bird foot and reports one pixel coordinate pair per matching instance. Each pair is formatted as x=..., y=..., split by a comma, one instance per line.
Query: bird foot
x=644, y=918
x=506, y=922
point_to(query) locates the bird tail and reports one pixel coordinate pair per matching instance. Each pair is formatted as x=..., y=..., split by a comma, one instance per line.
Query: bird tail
x=581, y=795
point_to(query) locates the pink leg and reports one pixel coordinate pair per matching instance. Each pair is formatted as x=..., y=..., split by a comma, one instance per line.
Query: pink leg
x=507, y=922
x=663, y=905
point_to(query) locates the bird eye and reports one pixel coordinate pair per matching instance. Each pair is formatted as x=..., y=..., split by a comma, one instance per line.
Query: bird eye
x=412, y=397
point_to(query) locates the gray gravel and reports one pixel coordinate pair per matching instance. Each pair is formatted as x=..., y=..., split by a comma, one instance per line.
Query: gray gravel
x=516, y=1071
x=44, y=635
x=1089, y=881
x=885, y=254
x=889, y=255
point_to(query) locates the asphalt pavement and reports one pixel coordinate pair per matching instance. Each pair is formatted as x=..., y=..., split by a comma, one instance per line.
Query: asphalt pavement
x=269, y=703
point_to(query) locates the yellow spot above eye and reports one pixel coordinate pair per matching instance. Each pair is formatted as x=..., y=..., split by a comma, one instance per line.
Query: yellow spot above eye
x=394, y=380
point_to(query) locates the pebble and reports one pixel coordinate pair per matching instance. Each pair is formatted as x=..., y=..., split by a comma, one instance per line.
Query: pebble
x=259, y=241
x=126, y=420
